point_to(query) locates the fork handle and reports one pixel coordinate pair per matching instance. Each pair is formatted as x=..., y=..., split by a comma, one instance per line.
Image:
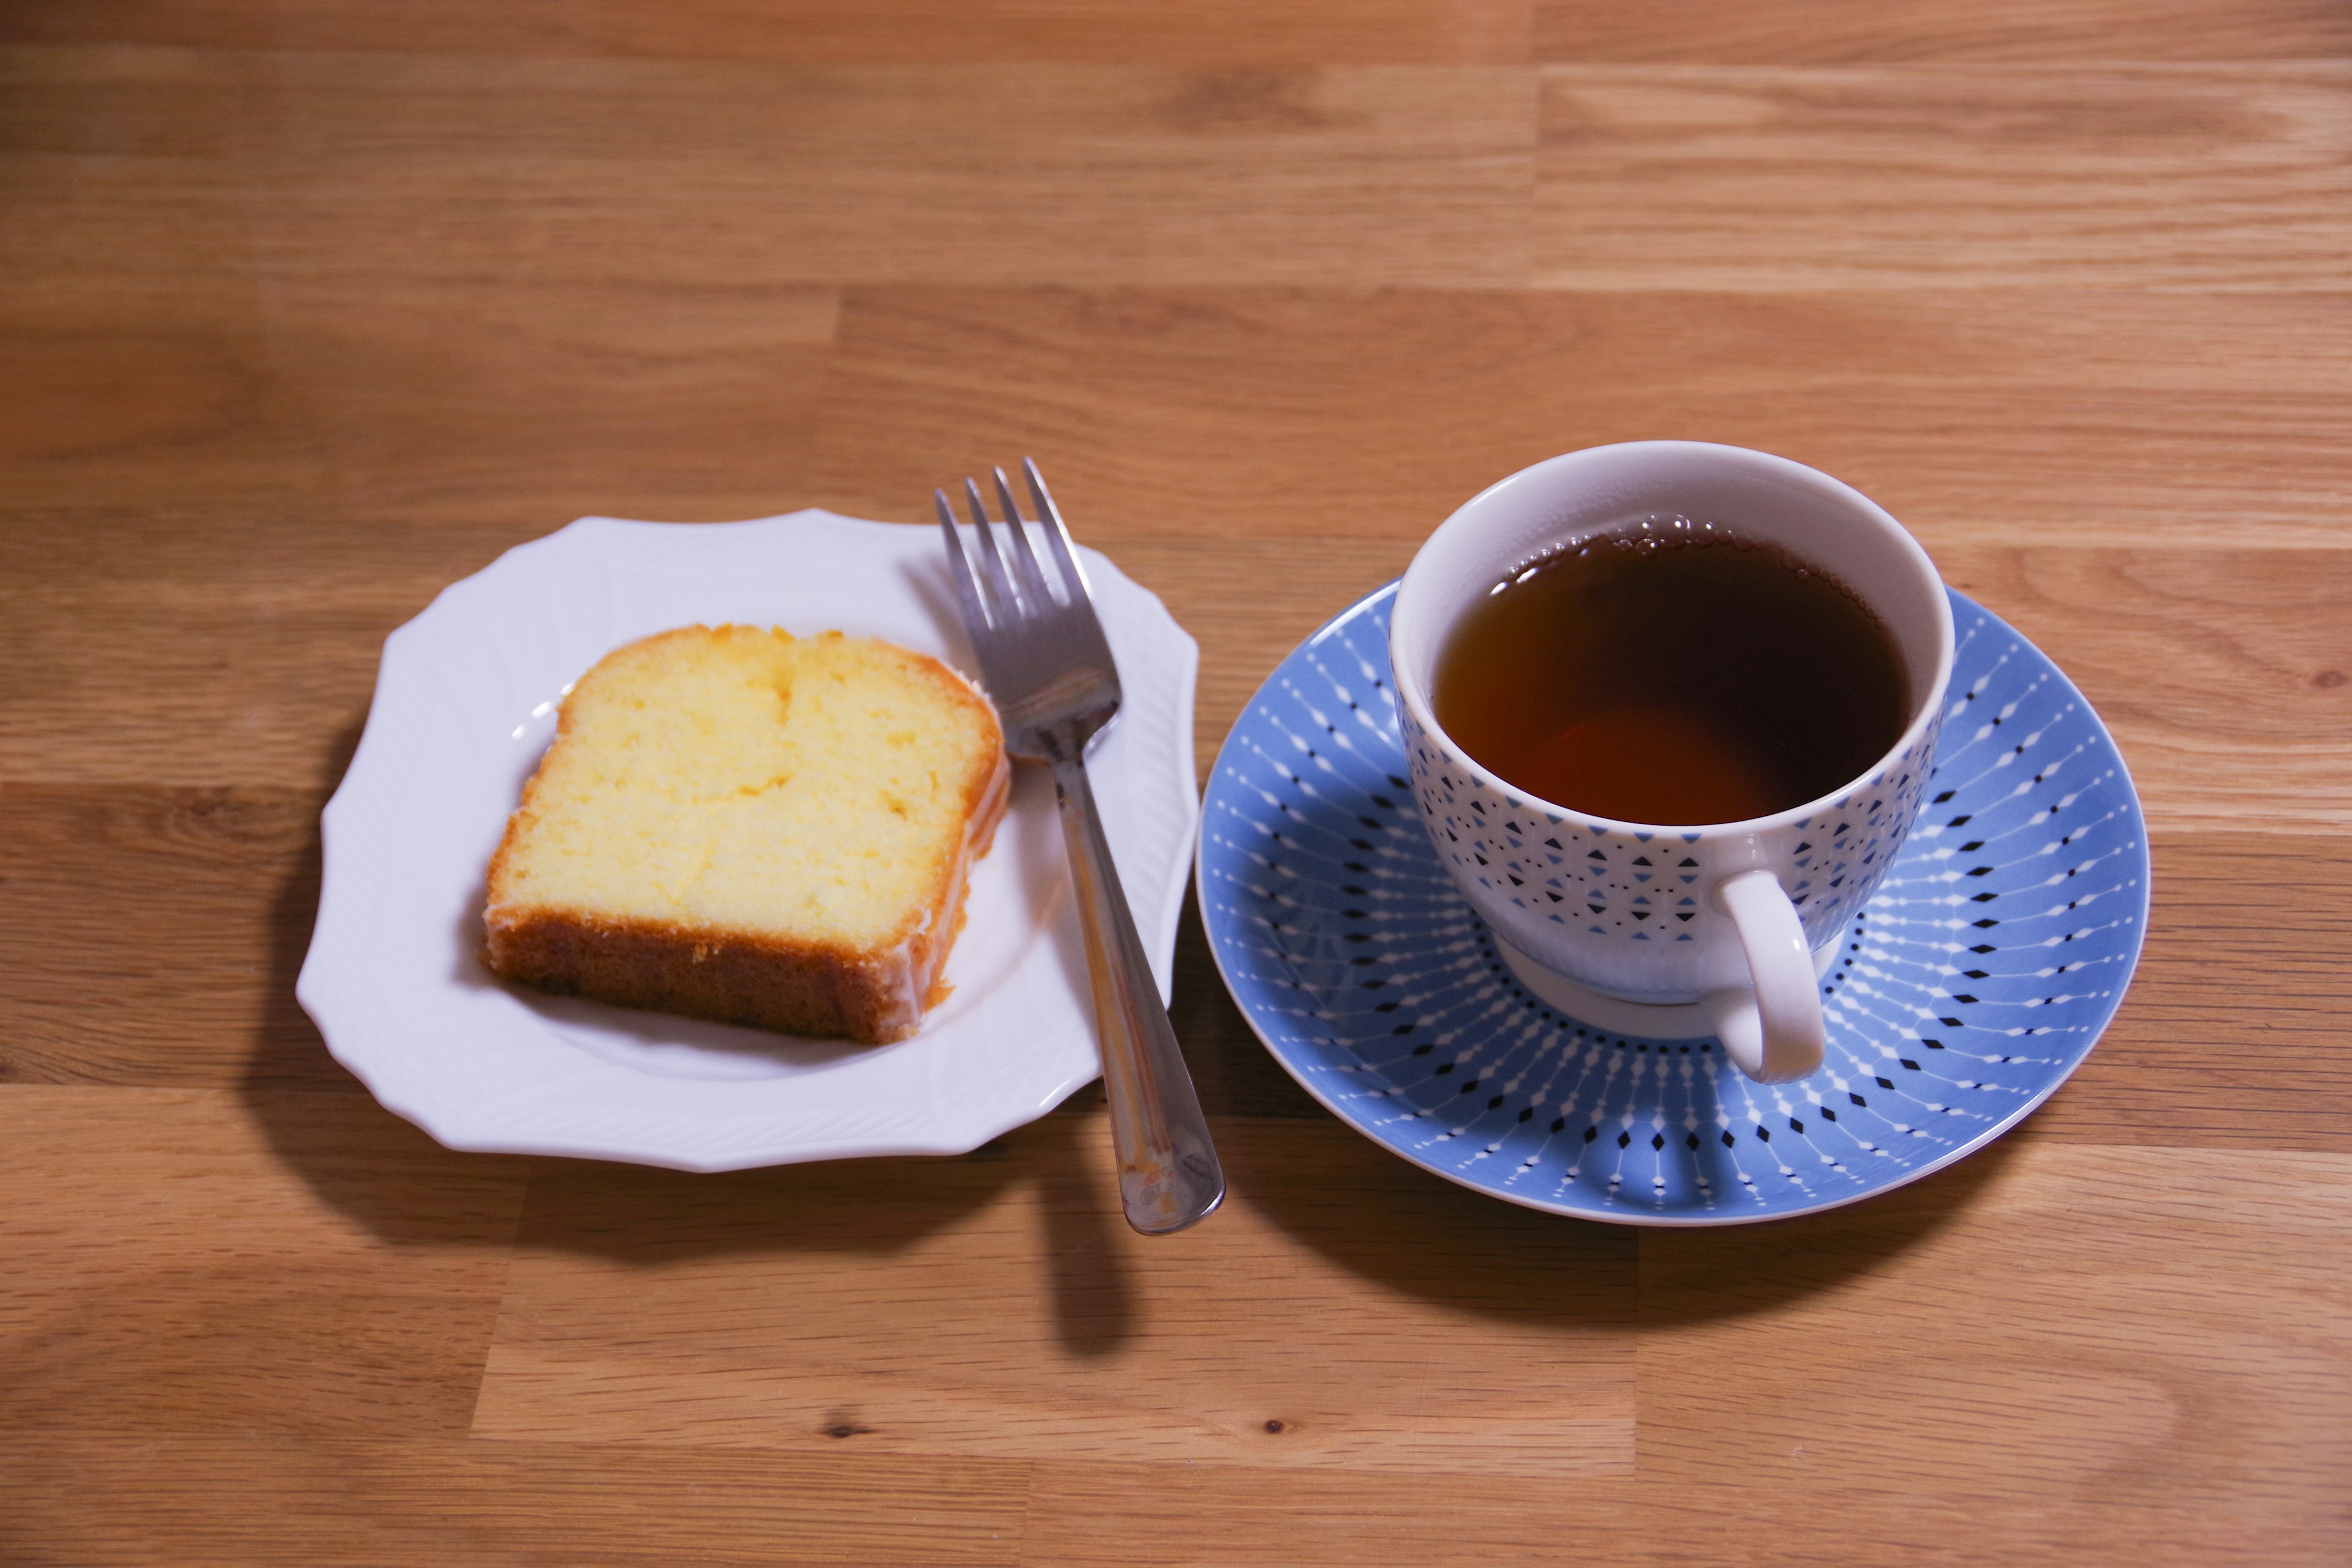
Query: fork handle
x=1168, y=1176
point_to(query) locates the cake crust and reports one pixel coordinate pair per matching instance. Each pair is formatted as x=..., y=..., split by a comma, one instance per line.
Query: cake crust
x=873, y=992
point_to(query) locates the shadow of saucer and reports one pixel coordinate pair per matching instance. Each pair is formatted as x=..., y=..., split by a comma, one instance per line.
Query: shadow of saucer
x=1409, y=1231
x=1692, y=1277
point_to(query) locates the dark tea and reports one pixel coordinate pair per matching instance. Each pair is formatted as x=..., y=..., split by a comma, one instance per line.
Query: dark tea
x=1670, y=671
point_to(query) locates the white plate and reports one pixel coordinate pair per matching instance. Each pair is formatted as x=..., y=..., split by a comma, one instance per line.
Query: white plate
x=465, y=704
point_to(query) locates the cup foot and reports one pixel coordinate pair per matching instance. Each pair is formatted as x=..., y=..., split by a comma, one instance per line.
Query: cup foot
x=1649, y=1020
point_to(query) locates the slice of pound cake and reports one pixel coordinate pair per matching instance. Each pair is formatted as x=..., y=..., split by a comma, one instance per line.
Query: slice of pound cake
x=743, y=825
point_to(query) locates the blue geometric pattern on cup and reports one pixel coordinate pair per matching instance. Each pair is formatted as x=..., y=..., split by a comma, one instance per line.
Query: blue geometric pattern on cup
x=1642, y=887
x=1965, y=992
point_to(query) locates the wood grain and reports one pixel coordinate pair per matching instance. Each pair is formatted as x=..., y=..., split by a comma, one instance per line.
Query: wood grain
x=812, y=1308
x=129, y=390
x=2026, y=417
x=1848, y=32
x=310, y=309
x=438, y=396
x=2257, y=643
x=755, y=175
x=1226, y=33
x=1865, y=177
x=229, y=1499
x=2136, y=1331
x=100, y=887
x=1168, y=32
x=2229, y=1037
x=188, y=1262
x=751, y=175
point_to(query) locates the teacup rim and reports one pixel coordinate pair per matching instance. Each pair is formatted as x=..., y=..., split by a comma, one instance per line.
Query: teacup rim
x=1935, y=693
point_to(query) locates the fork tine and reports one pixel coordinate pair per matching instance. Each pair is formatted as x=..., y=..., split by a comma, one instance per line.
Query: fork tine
x=1025, y=563
x=992, y=564
x=1057, y=535
x=967, y=595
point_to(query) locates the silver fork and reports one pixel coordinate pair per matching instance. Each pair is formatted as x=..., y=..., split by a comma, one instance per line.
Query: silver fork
x=1050, y=675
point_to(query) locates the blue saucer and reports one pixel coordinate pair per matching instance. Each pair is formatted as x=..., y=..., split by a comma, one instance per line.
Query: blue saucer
x=1967, y=989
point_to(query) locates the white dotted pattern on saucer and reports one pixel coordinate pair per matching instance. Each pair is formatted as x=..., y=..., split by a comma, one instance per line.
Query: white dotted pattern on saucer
x=1969, y=986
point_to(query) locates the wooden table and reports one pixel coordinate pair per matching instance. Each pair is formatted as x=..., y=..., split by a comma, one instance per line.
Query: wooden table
x=310, y=308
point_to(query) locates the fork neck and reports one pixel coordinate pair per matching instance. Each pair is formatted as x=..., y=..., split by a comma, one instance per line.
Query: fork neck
x=1061, y=745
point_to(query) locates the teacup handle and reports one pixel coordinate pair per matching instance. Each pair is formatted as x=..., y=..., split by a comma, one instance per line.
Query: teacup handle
x=1772, y=1030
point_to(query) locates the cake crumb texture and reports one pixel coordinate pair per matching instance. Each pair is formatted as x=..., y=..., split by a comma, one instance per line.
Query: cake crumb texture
x=737, y=824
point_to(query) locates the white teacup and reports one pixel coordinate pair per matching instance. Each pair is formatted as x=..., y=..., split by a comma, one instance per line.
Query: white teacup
x=1673, y=932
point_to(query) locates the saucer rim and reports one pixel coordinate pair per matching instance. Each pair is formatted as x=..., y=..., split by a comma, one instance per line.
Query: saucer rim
x=1961, y=605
